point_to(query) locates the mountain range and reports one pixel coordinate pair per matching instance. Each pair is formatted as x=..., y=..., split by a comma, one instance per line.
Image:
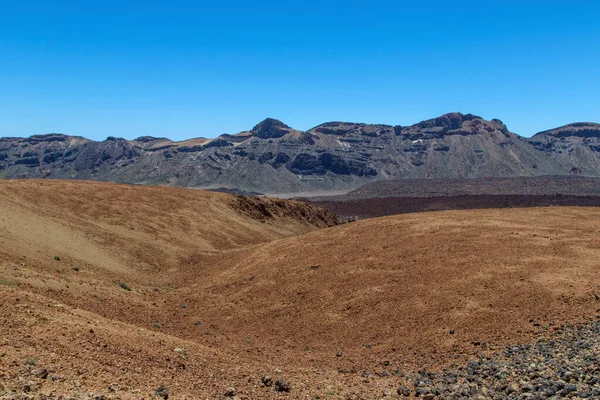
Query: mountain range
x=335, y=156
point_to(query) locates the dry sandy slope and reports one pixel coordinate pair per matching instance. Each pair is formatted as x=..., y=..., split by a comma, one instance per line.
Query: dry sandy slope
x=385, y=290
x=141, y=236
x=404, y=282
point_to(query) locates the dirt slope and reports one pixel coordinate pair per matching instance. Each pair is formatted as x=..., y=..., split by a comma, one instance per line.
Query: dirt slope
x=246, y=287
x=404, y=282
x=66, y=246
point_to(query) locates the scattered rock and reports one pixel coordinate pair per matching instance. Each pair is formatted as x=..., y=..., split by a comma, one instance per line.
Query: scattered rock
x=267, y=380
x=27, y=387
x=41, y=373
x=125, y=286
x=163, y=392
x=281, y=385
x=403, y=391
x=230, y=392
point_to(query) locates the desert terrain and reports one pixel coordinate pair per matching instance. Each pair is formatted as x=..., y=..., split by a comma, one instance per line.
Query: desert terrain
x=113, y=291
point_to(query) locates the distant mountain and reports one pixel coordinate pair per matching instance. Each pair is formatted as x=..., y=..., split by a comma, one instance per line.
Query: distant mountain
x=275, y=158
x=575, y=147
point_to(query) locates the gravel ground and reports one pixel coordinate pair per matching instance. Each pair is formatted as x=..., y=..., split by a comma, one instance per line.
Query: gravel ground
x=565, y=364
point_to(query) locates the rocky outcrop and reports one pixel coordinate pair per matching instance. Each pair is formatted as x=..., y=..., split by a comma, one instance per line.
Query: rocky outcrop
x=451, y=124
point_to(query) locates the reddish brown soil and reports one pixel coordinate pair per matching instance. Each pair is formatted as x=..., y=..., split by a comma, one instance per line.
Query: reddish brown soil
x=274, y=295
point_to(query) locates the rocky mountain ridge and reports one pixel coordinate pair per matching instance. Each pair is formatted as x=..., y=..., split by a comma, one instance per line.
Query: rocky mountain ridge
x=275, y=158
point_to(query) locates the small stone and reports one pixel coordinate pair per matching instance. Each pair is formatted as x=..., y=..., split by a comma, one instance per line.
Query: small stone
x=403, y=391
x=387, y=393
x=452, y=331
x=525, y=388
x=267, y=380
x=163, y=392
x=339, y=354
x=42, y=373
x=281, y=385
x=230, y=392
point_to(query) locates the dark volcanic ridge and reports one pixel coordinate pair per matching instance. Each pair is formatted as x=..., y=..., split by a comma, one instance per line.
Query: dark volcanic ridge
x=350, y=210
x=403, y=196
x=527, y=186
x=275, y=158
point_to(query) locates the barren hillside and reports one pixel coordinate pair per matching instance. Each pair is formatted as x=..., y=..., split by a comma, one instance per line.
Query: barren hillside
x=118, y=289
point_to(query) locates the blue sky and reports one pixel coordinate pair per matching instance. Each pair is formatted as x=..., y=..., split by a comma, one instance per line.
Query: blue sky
x=183, y=69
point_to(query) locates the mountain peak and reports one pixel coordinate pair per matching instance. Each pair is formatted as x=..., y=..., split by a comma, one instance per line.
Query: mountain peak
x=453, y=124
x=270, y=128
x=453, y=120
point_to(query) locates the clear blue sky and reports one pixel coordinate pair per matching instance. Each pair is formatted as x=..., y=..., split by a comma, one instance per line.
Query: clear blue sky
x=201, y=68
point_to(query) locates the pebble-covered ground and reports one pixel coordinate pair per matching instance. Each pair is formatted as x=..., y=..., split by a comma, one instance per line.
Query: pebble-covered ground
x=564, y=363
